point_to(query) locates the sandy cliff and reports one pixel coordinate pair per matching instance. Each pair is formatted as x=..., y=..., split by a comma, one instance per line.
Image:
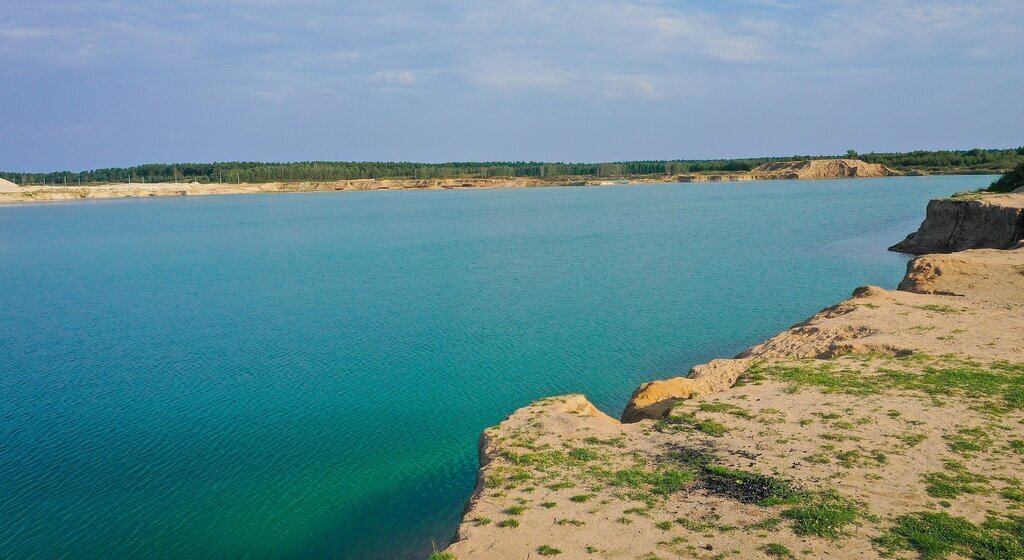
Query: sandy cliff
x=795, y=170
x=956, y=224
x=889, y=425
x=822, y=169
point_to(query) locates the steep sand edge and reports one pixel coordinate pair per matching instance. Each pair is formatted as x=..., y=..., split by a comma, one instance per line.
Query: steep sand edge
x=822, y=169
x=952, y=224
x=555, y=479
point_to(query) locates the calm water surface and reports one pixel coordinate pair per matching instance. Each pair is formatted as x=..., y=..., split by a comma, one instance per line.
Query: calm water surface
x=306, y=376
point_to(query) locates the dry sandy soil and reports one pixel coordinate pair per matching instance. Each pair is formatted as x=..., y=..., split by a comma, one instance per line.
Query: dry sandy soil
x=889, y=425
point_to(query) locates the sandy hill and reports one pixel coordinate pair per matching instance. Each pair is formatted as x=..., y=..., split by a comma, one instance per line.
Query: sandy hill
x=823, y=169
x=7, y=186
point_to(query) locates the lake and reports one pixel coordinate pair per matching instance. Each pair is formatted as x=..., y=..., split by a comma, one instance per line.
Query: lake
x=306, y=375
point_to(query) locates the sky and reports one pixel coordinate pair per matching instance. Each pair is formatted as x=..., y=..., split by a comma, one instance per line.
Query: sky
x=98, y=83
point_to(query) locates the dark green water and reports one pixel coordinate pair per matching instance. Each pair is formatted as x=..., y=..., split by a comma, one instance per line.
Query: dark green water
x=305, y=376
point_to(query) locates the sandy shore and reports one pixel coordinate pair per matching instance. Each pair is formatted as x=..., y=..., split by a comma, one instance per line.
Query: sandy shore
x=816, y=169
x=889, y=425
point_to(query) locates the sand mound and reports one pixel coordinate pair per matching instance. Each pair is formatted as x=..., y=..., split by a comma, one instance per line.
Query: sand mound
x=8, y=186
x=978, y=274
x=823, y=169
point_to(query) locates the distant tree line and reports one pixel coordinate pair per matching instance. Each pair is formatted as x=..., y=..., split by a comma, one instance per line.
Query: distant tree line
x=968, y=161
x=985, y=160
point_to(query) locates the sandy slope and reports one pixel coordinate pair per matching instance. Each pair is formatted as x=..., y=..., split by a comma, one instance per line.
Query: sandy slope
x=823, y=169
x=896, y=405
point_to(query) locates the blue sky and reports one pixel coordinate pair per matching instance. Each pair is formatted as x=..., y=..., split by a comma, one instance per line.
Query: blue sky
x=94, y=83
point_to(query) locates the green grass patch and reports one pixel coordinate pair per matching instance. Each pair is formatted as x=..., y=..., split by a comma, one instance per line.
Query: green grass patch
x=956, y=480
x=514, y=510
x=641, y=511
x=1014, y=494
x=911, y=439
x=508, y=523
x=583, y=455
x=1002, y=383
x=936, y=535
x=969, y=440
x=548, y=550
x=818, y=459
x=688, y=422
x=661, y=483
x=826, y=514
x=776, y=550
x=828, y=377
x=857, y=458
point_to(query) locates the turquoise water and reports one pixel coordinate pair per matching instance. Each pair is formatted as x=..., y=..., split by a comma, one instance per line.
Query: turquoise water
x=306, y=376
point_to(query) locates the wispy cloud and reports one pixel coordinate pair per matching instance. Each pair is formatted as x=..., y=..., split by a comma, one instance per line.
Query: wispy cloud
x=492, y=55
x=394, y=78
x=569, y=45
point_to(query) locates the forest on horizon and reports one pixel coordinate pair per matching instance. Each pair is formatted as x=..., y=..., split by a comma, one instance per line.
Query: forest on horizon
x=974, y=161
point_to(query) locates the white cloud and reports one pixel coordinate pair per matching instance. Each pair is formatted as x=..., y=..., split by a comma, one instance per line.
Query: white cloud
x=393, y=78
x=643, y=49
x=27, y=33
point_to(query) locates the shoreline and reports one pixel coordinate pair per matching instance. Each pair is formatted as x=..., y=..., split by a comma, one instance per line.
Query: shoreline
x=29, y=195
x=803, y=170
x=844, y=436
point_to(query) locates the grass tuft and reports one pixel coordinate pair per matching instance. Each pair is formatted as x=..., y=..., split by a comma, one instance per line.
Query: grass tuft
x=824, y=515
x=547, y=550
x=955, y=481
x=776, y=550
x=688, y=422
